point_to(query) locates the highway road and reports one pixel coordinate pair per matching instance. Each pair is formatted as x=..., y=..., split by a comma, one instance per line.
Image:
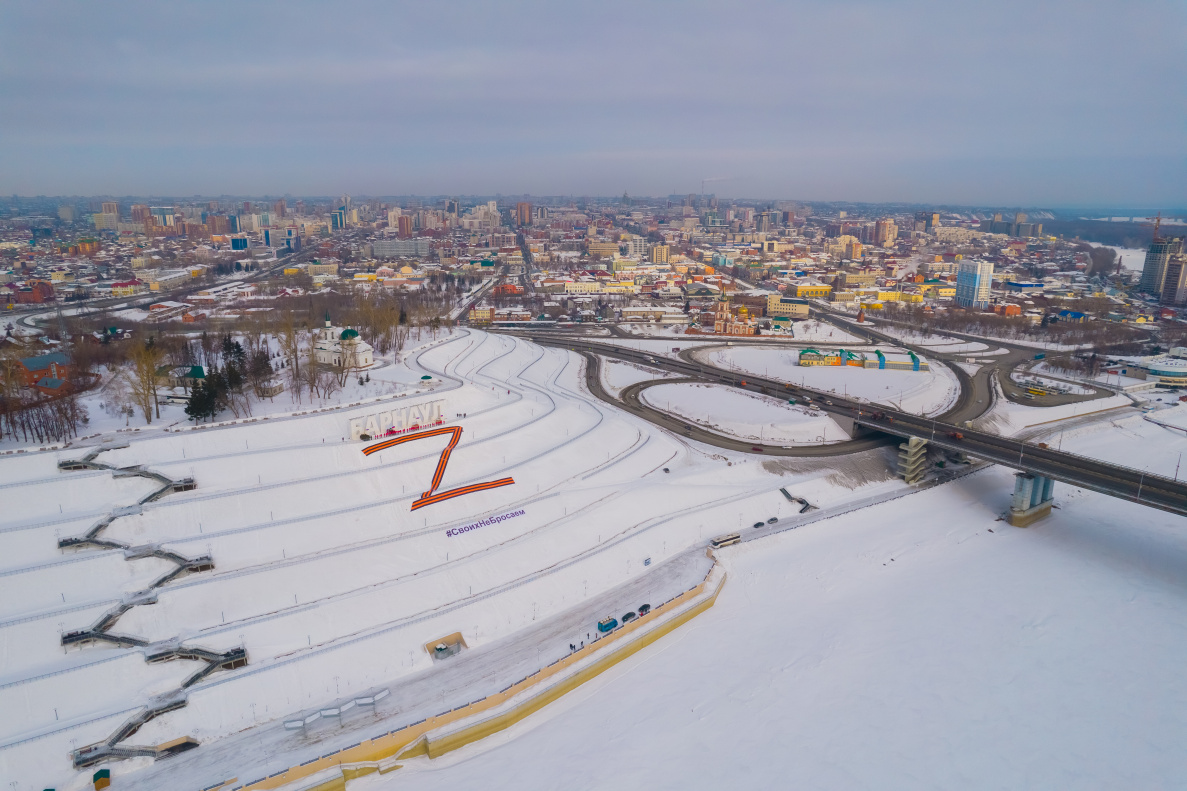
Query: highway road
x=631, y=402
x=946, y=431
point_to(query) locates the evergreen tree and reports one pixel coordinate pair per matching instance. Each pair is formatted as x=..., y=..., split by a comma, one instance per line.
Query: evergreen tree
x=201, y=404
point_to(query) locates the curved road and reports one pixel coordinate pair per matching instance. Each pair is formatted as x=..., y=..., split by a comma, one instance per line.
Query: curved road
x=632, y=403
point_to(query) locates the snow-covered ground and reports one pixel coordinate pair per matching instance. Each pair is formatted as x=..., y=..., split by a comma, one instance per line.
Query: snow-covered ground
x=327, y=548
x=906, y=335
x=738, y=413
x=821, y=332
x=649, y=330
x=617, y=375
x=921, y=644
x=941, y=343
x=922, y=392
x=1008, y=418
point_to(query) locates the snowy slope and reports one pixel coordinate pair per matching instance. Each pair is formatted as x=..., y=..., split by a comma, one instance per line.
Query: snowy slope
x=322, y=572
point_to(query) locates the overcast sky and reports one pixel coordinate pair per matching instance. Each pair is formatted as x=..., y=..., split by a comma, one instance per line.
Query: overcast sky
x=1032, y=103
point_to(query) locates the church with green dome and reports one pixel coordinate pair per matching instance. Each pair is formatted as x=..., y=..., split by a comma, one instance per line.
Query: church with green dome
x=338, y=347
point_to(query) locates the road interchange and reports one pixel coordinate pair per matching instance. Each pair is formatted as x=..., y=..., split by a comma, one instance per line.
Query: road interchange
x=949, y=431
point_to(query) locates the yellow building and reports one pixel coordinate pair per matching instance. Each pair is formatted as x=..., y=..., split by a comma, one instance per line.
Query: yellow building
x=659, y=254
x=322, y=269
x=581, y=287
x=603, y=249
x=939, y=292
x=781, y=306
x=898, y=296
x=813, y=291
x=482, y=314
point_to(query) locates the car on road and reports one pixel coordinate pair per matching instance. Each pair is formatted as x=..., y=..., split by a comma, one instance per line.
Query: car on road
x=759, y=524
x=772, y=520
x=756, y=449
x=955, y=435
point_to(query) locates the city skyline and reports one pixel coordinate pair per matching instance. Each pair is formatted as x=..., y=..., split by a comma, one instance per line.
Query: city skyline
x=903, y=102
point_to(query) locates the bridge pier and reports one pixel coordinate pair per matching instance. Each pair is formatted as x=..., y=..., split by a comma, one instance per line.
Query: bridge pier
x=1033, y=496
x=912, y=459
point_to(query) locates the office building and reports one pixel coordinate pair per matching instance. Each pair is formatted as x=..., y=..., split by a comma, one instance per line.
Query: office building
x=786, y=307
x=1157, y=257
x=66, y=214
x=111, y=207
x=659, y=254
x=973, y=281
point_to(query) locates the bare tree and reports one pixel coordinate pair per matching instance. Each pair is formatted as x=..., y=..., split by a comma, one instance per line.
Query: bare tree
x=145, y=360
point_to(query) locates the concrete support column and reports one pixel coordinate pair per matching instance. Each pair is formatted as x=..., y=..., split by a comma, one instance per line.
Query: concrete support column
x=1033, y=495
x=1023, y=487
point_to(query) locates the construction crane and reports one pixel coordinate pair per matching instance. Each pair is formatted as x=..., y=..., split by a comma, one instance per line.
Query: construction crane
x=1157, y=218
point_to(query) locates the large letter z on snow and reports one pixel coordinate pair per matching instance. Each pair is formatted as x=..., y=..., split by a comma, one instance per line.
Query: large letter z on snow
x=428, y=498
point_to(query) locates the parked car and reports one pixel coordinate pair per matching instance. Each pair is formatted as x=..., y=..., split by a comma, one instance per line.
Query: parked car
x=644, y=609
x=627, y=618
x=606, y=624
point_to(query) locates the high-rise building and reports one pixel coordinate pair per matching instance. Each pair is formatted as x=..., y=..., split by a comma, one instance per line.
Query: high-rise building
x=659, y=254
x=280, y=208
x=140, y=212
x=1157, y=257
x=926, y=221
x=66, y=213
x=111, y=207
x=973, y=281
x=885, y=232
x=1174, y=286
x=523, y=213
x=404, y=225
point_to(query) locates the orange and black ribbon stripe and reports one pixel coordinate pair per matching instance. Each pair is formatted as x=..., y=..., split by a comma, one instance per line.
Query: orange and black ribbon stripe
x=428, y=498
